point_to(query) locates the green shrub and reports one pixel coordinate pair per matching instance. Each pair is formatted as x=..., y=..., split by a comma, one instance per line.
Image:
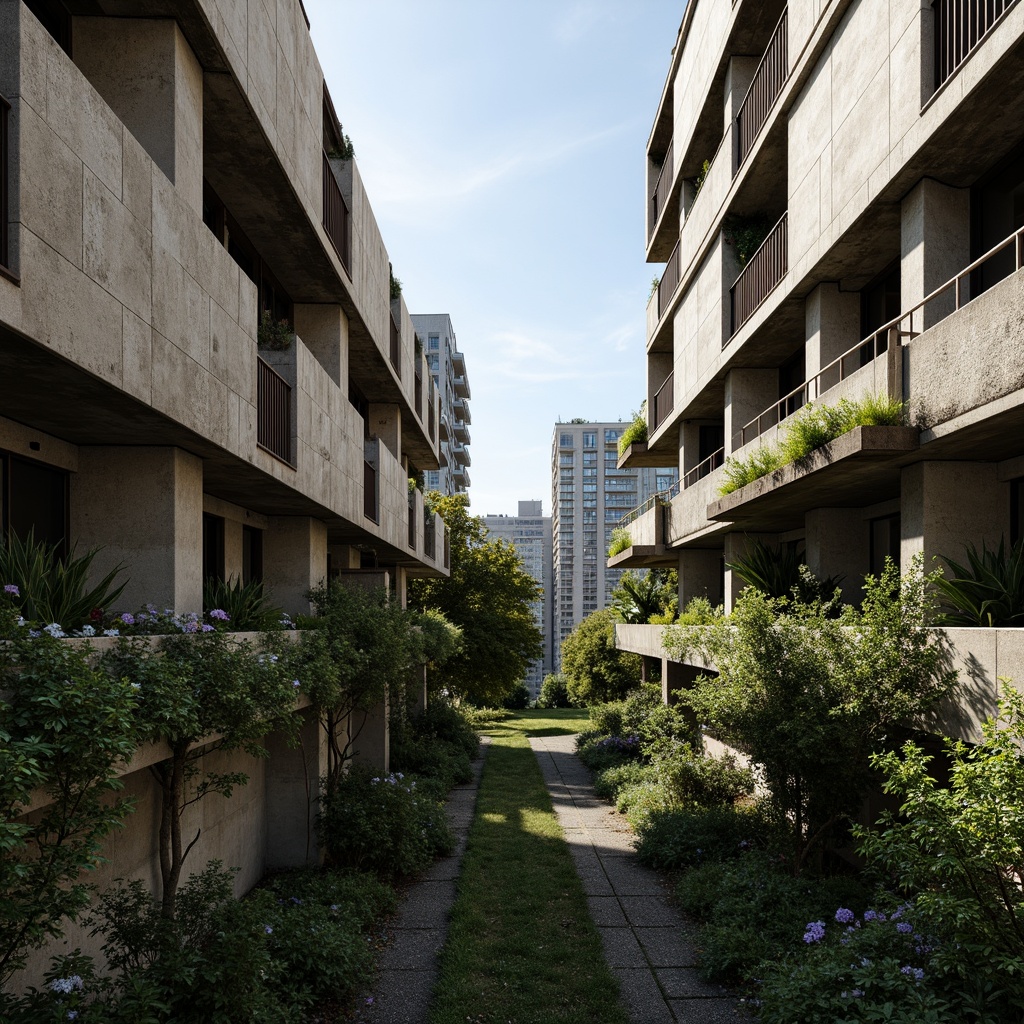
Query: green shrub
x=48, y=588
x=554, y=692
x=518, y=698
x=481, y=718
x=779, y=572
x=619, y=542
x=689, y=837
x=738, y=472
x=601, y=752
x=753, y=910
x=381, y=823
x=607, y=718
x=988, y=591
x=699, y=612
x=636, y=431
x=609, y=782
x=246, y=604
x=691, y=778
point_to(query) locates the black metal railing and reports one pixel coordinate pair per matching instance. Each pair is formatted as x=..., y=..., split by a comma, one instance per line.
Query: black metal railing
x=659, y=195
x=764, y=270
x=669, y=281
x=273, y=412
x=396, y=345
x=429, y=535
x=336, y=216
x=664, y=400
x=369, y=490
x=705, y=468
x=960, y=25
x=766, y=85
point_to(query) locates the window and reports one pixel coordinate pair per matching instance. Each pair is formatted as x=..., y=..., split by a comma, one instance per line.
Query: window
x=612, y=435
x=885, y=541
x=590, y=458
x=566, y=474
x=35, y=499
x=566, y=459
x=589, y=473
x=565, y=441
x=213, y=547
x=433, y=343
x=589, y=440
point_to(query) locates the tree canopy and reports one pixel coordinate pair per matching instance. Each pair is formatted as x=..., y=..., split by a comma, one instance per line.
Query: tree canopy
x=595, y=668
x=489, y=595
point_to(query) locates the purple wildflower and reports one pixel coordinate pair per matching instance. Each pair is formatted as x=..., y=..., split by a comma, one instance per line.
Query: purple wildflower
x=815, y=932
x=219, y=613
x=844, y=916
x=11, y=589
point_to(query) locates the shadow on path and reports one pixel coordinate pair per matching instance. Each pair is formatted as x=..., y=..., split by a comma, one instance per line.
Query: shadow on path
x=648, y=944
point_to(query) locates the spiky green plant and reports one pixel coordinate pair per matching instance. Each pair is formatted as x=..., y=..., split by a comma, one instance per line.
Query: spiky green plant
x=780, y=572
x=988, y=591
x=738, y=472
x=52, y=588
x=619, y=542
x=247, y=604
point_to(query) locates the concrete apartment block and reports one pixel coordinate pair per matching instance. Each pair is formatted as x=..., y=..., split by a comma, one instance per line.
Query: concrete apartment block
x=828, y=185
x=173, y=174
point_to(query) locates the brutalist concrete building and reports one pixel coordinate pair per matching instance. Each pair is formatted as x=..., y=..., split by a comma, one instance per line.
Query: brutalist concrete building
x=834, y=189
x=203, y=371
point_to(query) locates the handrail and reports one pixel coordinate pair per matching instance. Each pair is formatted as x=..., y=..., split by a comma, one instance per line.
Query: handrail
x=336, y=216
x=669, y=281
x=664, y=400
x=654, y=499
x=703, y=469
x=273, y=412
x=960, y=26
x=662, y=187
x=903, y=325
x=764, y=270
x=765, y=86
x=396, y=343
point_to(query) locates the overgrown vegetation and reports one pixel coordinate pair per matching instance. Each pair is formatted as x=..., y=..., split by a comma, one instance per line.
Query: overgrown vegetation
x=810, y=429
x=246, y=605
x=987, y=591
x=620, y=541
x=275, y=335
x=746, y=234
x=636, y=431
x=779, y=572
x=595, y=669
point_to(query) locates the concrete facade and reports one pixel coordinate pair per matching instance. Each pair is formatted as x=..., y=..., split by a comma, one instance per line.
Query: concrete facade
x=174, y=174
x=888, y=168
x=529, y=532
x=590, y=494
x=447, y=367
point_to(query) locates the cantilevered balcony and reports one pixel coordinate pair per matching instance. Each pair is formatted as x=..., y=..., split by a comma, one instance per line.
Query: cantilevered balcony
x=765, y=87
x=660, y=193
x=959, y=27
x=336, y=218
x=764, y=270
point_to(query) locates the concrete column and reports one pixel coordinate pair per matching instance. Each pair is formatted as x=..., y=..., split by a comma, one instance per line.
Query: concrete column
x=143, y=507
x=832, y=327
x=323, y=329
x=293, y=775
x=371, y=736
x=150, y=78
x=676, y=676
x=946, y=505
x=738, y=76
x=386, y=423
x=747, y=394
x=837, y=543
x=935, y=244
x=736, y=545
x=294, y=561
x=700, y=575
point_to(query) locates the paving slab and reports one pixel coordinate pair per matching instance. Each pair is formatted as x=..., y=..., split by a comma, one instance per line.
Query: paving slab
x=648, y=944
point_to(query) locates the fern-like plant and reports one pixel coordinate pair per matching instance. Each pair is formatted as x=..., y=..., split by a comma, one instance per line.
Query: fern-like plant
x=988, y=591
x=780, y=572
x=55, y=589
x=738, y=472
x=246, y=604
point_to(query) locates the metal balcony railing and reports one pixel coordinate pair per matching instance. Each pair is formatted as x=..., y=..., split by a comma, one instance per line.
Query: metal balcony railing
x=766, y=85
x=336, y=216
x=664, y=400
x=396, y=345
x=412, y=521
x=662, y=187
x=418, y=393
x=429, y=535
x=705, y=468
x=273, y=412
x=764, y=270
x=669, y=281
x=938, y=306
x=960, y=25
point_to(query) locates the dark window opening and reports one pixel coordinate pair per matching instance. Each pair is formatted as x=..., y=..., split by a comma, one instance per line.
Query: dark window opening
x=879, y=304
x=35, y=501
x=997, y=211
x=1016, y=510
x=792, y=374
x=252, y=554
x=55, y=18
x=213, y=547
x=885, y=542
x=360, y=403
x=709, y=440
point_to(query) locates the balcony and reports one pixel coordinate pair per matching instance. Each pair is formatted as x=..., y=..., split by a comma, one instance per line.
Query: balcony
x=714, y=461
x=460, y=454
x=461, y=409
x=660, y=193
x=960, y=27
x=336, y=218
x=418, y=392
x=669, y=282
x=396, y=345
x=273, y=412
x=764, y=270
x=371, y=461
x=766, y=85
x=664, y=401
x=461, y=432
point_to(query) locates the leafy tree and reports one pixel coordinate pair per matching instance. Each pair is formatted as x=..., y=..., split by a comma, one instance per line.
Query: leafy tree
x=554, y=692
x=65, y=728
x=489, y=596
x=810, y=698
x=201, y=693
x=595, y=669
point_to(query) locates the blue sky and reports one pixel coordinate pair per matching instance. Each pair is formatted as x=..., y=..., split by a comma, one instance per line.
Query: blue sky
x=502, y=146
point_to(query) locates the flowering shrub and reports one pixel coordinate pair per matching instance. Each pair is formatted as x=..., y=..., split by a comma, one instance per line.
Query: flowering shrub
x=383, y=823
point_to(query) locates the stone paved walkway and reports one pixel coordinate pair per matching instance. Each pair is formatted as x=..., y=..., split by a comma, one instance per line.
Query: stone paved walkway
x=648, y=944
x=405, y=982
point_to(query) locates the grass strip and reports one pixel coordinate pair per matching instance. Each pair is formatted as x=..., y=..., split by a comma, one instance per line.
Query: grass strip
x=522, y=947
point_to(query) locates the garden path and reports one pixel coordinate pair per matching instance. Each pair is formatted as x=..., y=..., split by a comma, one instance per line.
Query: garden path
x=648, y=944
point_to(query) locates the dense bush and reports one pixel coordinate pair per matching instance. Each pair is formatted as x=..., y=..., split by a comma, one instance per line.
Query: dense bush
x=753, y=910
x=437, y=743
x=596, y=670
x=383, y=823
x=517, y=699
x=554, y=692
